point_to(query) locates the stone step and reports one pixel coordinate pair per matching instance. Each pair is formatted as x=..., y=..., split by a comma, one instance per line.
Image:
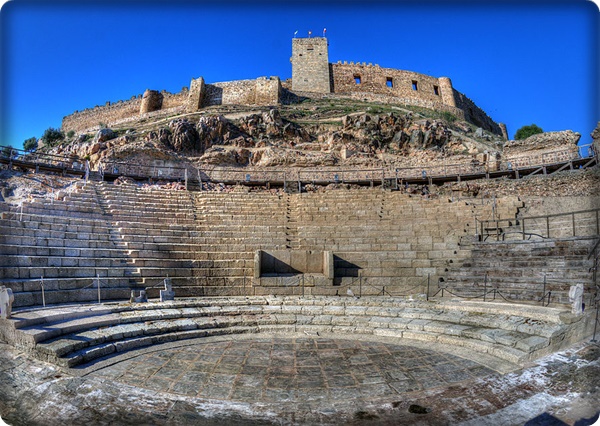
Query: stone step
x=66, y=272
x=61, y=261
x=18, y=250
x=72, y=338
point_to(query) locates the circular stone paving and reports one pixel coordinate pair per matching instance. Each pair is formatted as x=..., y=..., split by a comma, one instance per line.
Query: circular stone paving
x=272, y=370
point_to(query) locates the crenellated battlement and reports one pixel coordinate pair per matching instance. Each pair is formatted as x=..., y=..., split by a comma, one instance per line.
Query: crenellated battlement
x=311, y=73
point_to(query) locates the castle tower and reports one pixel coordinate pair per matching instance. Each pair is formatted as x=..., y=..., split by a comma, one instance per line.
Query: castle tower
x=310, y=65
x=151, y=101
x=447, y=91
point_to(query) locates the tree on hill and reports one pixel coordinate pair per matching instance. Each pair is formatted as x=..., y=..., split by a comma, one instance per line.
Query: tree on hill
x=30, y=144
x=526, y=131
x=51, y=136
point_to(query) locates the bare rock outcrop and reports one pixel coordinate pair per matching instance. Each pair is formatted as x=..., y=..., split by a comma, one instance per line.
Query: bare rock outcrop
x=547, y=140
x=185, y=137
x=215, y=130
x=160, y=136
x=271, y=125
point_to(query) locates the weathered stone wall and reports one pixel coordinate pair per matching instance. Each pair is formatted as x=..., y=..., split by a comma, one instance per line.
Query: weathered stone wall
x=152, y=100
x=543, y=148
x=310, y=65
x=172, y=100
x=349, y=78
x=311, y=73
x=476, y=115
x=262, y=91
x=123, y=111
x=90, y=118
x=374, y=83
x=268, y=91
x=196, y=95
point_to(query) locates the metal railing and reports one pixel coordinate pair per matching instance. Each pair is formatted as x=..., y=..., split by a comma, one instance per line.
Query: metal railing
x=486, y=291
x=582, y=223
x=426, y=173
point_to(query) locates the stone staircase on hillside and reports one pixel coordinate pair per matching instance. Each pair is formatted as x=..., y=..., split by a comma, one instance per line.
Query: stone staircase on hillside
x=523, y=270
x=76, y=336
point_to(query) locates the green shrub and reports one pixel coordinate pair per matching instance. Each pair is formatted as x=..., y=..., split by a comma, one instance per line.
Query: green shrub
x=52, y=136
x=448, y=116
x=526, y=131
x=71, y=133
x=30, y=144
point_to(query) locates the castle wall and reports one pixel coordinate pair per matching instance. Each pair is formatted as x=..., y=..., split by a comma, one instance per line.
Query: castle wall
x=352, y=78
x=311, y=74
x=268, y=91
x=81, y=121
x=476, y=115
x=120, y=112
x=373, y=83
x=173, y=100
x=262, y=91
x=195, y=95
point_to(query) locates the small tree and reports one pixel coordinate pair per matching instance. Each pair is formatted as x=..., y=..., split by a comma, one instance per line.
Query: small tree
x=526, y=131
x=30, y=144
x=51, y=136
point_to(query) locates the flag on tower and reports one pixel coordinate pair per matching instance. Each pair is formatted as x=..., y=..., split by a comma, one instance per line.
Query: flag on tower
x=324, y=31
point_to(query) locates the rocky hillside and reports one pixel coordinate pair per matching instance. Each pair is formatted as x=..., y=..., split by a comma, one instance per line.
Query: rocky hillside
x=324, y=132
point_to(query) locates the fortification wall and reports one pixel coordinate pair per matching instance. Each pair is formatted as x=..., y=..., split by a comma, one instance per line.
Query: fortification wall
x=262, y=91
x=352, y=78
x=81, y=121
x=476, y=115
x=112, y=113
x=173, y=100
x=374, y=83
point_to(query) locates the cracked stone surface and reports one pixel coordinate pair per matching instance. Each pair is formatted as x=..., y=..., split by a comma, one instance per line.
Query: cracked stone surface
x=300, y=380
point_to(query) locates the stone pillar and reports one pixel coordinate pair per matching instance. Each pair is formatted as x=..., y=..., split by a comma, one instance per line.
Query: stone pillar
x=447, y=91
x=196, y=95
x=257, y=261
x=328, y=267
x=151, y=101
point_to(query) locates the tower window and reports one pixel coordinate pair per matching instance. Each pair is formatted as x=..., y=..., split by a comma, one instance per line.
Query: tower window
x=357, y=79
x=415, y=85
x=436, y=90
x=389, y=82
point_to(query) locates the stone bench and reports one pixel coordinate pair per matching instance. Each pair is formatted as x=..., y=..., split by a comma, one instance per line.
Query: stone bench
x=70, y=337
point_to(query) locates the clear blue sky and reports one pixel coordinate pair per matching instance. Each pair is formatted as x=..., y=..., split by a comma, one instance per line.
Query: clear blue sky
x=522, y=62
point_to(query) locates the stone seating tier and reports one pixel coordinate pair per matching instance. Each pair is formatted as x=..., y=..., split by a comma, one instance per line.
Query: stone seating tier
x=207, y=239
x=72, y=336
x=518, y=268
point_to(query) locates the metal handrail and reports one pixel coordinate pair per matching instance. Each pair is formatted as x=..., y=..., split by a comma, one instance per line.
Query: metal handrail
x=545, y=297
x=495, y=224
x=333, y=175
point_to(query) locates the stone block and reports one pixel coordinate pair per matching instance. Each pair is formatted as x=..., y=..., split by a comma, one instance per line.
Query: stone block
x=532, y=343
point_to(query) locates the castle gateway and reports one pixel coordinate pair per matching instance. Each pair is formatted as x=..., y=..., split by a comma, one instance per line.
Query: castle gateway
x=312, y=76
